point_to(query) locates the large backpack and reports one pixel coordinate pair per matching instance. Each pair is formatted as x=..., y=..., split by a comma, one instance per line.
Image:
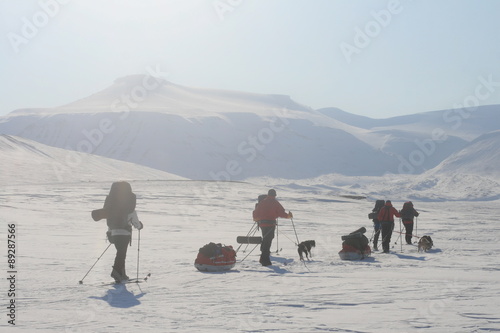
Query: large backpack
x=407, y=213
x=119, y=204
x=378, y=205
x=356, y=239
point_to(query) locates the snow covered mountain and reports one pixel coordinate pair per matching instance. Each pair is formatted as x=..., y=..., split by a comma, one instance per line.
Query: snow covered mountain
x=226, y=135
x=148, y=93
x=480, y=157
x=202, y=133
x=24, y=162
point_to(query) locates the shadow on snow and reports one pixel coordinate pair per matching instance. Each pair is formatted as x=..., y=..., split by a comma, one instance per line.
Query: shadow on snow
x=120, y=297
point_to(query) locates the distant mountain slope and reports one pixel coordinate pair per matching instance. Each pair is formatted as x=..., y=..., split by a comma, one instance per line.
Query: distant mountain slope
x=147, y=93
x=23, y=161
x=233, y=147
x=349, y=118
x=218, y=134
x=480, y=157
x=466, y=124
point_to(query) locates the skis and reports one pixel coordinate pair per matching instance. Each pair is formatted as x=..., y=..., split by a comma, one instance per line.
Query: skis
x=133, y=280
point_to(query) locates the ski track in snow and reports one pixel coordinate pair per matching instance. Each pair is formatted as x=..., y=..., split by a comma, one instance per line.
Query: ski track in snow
x=452, y=288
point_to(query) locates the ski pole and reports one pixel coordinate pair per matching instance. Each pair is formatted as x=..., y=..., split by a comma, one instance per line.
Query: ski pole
x=277, y=237
x=400, y=233
x=251, y=232
x=81, y=281
x=298, y=242
x=263, y=236
x=138, y=252
x=295, y=232
x=416, y=226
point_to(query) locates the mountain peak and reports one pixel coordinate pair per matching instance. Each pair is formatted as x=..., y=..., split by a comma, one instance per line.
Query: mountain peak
x=143, y=92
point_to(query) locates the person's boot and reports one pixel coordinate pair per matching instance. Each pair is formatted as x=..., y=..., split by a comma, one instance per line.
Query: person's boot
x=124, y=275
x=115, y=274
x=265, y=260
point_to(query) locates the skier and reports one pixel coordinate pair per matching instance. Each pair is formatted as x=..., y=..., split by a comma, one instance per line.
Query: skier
x=407, y=215
x=386, y=218
x=376, y=223
x=118, y=205
x=266, y=212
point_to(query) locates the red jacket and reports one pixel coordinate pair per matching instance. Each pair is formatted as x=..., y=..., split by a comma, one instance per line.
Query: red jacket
x=387, y=213
x=269, y=210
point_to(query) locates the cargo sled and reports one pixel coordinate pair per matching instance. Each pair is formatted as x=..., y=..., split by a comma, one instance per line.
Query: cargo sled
x=215, y=258
x=355, y=246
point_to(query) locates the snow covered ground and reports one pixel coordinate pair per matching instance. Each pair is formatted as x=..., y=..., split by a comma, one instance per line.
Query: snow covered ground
x=452, y=288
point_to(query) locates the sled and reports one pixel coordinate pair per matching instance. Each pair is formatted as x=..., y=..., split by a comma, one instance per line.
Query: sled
x=355, y=246
x=351, y=253
x=215, y=258
x=249, y=239
x=213, y=268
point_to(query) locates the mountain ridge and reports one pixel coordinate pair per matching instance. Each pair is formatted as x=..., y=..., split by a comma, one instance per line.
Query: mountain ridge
x=214, y=134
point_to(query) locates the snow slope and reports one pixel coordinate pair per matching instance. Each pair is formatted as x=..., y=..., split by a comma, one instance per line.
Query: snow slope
x=481, y=157
x=24, y=161
x=452, y=288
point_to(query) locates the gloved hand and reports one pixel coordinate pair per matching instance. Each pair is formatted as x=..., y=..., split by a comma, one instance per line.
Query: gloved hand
x=290, y=215
x=140, y=226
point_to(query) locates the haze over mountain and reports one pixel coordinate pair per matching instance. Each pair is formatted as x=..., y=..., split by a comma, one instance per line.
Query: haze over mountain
x=226, y=135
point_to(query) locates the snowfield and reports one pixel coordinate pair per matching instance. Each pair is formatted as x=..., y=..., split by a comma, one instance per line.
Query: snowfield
x=452, y=288
x=179, y=147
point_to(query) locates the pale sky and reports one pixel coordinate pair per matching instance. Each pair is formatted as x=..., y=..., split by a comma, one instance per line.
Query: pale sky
x=367, y=57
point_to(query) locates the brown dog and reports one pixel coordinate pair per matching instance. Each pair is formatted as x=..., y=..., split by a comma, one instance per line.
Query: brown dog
x=425, y=243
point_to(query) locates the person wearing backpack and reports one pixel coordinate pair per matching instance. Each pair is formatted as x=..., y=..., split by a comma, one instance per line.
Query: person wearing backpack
x=120, y=202
x=407, y=214
x=386, y=218
x=266, y=212
x=376, y=223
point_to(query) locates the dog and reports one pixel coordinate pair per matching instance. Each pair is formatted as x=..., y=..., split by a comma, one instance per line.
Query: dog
x=425, y=243
x=305, y=248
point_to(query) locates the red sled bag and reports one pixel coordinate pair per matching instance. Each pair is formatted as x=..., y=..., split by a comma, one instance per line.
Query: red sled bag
x=355, y=246
x=215, y=258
